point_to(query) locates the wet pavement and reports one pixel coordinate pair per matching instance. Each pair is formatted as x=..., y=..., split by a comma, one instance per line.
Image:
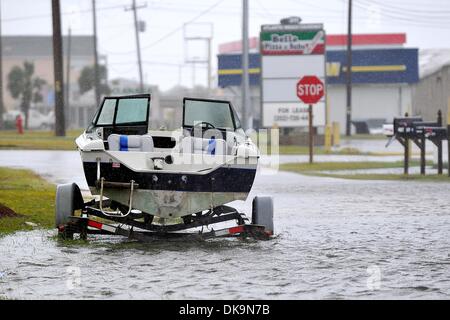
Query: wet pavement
x=336, y=239
x=65, y=166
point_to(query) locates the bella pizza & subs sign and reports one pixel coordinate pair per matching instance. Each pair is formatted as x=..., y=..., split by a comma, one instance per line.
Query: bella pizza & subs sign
x=293, y=42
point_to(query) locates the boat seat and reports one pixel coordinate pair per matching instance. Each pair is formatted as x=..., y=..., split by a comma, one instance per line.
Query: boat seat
x=231, y=141
x=203, y=146
x=130, y=143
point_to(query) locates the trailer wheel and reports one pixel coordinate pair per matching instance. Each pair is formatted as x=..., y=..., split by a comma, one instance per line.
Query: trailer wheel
x=68, y=199
x=263, y=213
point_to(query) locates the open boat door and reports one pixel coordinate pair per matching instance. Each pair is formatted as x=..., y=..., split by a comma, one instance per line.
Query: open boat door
x=127, y=115
x=207, y=114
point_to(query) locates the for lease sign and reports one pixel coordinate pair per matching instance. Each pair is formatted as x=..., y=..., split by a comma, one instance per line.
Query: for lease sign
x=294, y=114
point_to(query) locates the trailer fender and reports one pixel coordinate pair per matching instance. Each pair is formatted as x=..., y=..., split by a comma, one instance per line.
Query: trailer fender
x=68, y=200
x=263, y=213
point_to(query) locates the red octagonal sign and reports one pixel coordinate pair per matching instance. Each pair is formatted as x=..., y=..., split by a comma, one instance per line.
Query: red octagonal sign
x=310, y=90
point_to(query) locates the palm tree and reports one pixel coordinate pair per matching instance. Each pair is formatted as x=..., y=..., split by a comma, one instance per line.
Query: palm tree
x=22, y=84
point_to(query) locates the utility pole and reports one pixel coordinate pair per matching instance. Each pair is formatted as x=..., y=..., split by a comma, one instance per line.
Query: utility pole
x=349, y=69
x=448, y=136
x=2, y=106
x=60, y=121
x=209, y=65
x=194, y=71
x=195, y=61
x=96, y=68
x=138, y=43
x=68, y=67
x=246, y=102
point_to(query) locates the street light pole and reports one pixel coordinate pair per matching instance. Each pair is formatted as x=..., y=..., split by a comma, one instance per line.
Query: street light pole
x=2, y=106
x=138, y=47
x=68, y=68
x=448, y=136
x=246, y=102
x=96, y=67
x=349, y=69
x=60, y=121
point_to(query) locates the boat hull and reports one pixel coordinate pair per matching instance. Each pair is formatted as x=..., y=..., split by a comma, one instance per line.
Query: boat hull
x=170, y=194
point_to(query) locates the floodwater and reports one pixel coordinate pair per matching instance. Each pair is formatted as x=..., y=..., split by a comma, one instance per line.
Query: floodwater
x=336, y=239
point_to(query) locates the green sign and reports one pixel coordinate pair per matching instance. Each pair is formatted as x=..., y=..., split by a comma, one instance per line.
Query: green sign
x=293, y=42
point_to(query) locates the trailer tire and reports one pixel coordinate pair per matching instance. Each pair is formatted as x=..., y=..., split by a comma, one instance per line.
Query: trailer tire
x=263, y=213
x=68, y=200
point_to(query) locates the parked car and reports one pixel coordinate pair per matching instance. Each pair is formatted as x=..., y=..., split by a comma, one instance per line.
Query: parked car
x=38, y=120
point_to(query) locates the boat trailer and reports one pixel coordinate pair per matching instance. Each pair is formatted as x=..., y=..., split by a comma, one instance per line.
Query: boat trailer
x=141, y=227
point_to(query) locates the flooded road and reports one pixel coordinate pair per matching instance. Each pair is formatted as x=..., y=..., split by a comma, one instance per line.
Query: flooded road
x=337, y=239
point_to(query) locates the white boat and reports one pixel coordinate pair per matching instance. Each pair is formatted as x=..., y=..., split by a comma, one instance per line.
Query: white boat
x=190, y=173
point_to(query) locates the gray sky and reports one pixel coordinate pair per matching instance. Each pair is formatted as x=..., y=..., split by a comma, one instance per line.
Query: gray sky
x=427, y=24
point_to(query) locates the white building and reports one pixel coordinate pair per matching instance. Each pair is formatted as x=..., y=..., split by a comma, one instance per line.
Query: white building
x=383, y=73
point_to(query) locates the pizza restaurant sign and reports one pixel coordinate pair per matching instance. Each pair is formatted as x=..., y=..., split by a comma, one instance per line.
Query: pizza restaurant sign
x=293, y=42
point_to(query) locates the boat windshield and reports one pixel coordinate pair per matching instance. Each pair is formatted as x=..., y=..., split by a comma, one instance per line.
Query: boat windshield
x=217, y=113
x=123, y=111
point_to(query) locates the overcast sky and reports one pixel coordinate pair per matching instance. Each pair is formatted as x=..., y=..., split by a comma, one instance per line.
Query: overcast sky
x=427, y=24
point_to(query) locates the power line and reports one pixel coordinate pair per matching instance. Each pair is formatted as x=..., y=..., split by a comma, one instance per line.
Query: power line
x=174, y=31
x=42, y=16
x=405, y=19
x=416, y=18
x=169, y=34
x=155, y=63
x=409, y=9
x=267, y=12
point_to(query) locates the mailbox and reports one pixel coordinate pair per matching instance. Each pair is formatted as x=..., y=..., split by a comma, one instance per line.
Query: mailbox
x=419, y=128
x=403, y=127
x=435, y=133
x=418, y=131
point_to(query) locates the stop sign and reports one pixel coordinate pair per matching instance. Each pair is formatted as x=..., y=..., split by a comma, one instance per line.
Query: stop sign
x=310, y=89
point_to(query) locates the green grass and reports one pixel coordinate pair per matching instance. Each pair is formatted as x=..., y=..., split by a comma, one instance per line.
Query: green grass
x=389, y=177
x=325, y=170
x=340, y=166
x=29, y=196
x=299, y=150
x=38, y=140
x=296, y=150
x=365, y=137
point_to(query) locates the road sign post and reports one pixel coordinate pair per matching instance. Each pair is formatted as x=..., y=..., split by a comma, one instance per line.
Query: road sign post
x=440, y=146
x=311, y=135
x=448, y=136
x=310, y=90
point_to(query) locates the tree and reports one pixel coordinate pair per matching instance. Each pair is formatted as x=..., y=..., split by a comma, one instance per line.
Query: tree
x=22, y=84
x=86, y=81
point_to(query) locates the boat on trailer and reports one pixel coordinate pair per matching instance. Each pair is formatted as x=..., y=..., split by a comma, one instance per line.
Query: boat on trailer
x=157, y=182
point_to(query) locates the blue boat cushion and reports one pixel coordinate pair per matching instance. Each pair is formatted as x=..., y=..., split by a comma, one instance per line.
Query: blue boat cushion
x=204, y=146
x=126, y=143
x=212, y=146
x=123, y=143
